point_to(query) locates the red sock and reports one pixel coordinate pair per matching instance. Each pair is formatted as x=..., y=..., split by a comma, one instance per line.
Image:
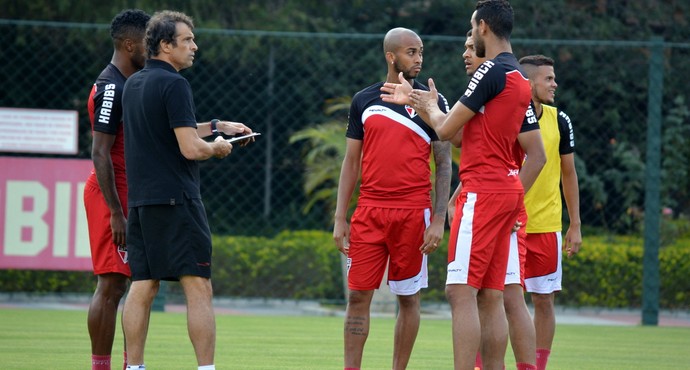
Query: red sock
x=124, y=366
x=478, y=361
x=525, y=366
x=542, y=358
x=100, y=362
x=351, y=368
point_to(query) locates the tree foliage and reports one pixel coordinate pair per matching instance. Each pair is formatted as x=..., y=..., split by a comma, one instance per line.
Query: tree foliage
x=557, y=19
x=609, y=77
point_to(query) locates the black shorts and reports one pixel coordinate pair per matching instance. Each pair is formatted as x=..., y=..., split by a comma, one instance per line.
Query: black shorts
x=166, y=242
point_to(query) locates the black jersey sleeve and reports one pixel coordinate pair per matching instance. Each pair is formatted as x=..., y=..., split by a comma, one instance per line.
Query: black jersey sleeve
x=565, y=128
x=486, y=82
x=355, y=128
x=107, y=102
x=530, y=122
x=180, y=104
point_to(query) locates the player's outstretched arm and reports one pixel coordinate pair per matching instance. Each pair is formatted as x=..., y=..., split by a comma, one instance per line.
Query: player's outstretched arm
x=397, y=93
x=447, y=126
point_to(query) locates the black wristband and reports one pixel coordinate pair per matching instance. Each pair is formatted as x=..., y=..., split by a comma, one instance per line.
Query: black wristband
x=214, y=127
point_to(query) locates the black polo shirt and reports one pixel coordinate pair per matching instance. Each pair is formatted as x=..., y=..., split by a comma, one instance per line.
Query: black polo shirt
x=155, y=101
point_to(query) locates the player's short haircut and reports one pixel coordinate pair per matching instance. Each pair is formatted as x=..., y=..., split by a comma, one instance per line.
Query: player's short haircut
x=498, y=15
x=129, y=24
x=530, y=63
x=536, y=60
x=163, y=27
x=391, y=42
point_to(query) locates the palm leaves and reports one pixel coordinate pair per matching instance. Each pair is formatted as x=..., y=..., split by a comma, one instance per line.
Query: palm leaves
x=324, y=154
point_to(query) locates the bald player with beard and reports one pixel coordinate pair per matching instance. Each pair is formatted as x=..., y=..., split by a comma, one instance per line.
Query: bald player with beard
x=394, y=223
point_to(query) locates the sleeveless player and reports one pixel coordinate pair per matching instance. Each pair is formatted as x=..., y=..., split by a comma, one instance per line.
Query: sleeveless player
x=543, y=274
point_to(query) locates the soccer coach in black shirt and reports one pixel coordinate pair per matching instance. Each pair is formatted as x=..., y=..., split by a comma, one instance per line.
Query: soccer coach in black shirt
x=168, y=236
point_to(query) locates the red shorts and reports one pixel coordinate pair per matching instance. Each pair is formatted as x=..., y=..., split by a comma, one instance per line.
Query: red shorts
x=515, y=274
x=543, y=273
x=381, y=237
x=479, y=242
x=105, y=255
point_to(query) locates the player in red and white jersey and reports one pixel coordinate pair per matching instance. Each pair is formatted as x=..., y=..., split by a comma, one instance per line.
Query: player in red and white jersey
x=530, y=153
x=393, y=224
x=490, y=113
x=105, y=192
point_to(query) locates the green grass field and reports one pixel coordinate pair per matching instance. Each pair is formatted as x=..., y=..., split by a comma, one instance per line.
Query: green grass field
x=56, y=339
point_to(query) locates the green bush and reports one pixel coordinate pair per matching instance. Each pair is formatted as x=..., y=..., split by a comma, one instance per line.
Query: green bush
x=306, y=265
x=38, y=281
x=608, y=273
x=293, y=264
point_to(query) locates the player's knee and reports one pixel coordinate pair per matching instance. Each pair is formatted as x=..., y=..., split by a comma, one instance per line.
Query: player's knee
x=409, y=301
x=112, y=286
x=196, y=286
x=458, y=293
x=359, y=297
x=542, y=301
x=513, y=297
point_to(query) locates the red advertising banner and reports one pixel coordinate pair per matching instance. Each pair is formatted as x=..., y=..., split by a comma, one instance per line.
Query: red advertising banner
x=42, y=218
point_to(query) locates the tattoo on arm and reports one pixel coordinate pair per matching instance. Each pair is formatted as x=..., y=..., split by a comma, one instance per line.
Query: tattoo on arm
x=442, y=158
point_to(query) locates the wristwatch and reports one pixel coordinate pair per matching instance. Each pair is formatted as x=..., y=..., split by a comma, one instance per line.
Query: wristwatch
x=214, y=126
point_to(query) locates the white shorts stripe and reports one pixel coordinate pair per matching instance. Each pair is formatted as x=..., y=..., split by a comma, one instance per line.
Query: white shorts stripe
x=513, y=272
x=458, y=269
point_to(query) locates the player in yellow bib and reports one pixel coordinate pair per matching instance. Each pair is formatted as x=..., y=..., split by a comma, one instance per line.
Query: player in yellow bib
x=543, y=274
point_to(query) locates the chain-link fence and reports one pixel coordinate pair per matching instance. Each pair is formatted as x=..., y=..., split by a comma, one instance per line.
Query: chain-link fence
x=279, y=83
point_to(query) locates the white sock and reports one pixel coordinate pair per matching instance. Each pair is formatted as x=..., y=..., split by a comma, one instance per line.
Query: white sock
x=207, y=367
x=136, y=367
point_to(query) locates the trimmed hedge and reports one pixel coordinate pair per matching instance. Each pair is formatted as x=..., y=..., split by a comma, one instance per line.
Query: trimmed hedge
x=306, y=265
x=39, y=281
x=608, y=273
x=293, y=264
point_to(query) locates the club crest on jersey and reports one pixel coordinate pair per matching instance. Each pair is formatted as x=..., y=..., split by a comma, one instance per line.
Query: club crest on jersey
x=410, y=111
x=122, y=251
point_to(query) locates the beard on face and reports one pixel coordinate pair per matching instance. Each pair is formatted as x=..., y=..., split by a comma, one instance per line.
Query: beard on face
x=408, y=74
x=479, y=46
x=139, y=61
